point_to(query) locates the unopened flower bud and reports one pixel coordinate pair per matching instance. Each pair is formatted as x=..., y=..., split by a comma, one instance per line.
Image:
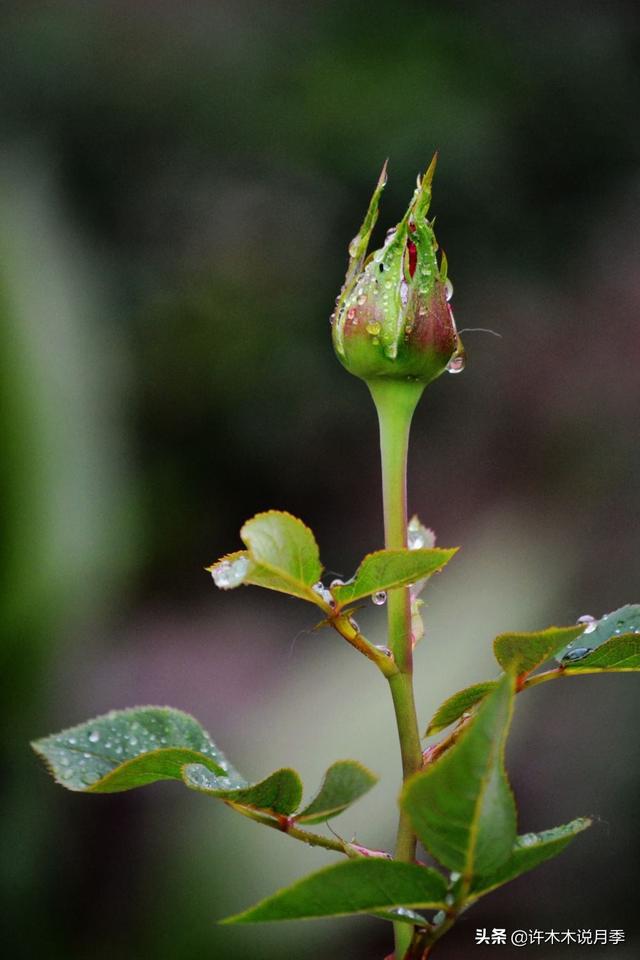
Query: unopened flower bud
x=393, y=318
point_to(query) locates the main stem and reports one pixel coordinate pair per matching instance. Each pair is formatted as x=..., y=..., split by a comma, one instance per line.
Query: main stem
x=395, y=402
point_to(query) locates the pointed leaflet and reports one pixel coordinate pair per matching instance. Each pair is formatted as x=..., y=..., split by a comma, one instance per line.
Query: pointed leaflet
x=530, y=850
x=130, y=748
x=462, y=807
x=386, y=569
x=523, y=652
x=281, y=555
x=279, y=793
x=457, y=704
x=344, y=782
x=625, y=620
x=354, y=886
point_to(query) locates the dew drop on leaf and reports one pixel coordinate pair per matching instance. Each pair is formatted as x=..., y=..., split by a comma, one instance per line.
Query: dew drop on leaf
x=576, y=654
x=379, y=598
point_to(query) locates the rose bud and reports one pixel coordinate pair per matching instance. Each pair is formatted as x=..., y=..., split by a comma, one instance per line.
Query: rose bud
x=392, y=318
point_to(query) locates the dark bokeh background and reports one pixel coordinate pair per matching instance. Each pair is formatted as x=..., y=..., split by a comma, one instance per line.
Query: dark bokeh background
x=179, y=183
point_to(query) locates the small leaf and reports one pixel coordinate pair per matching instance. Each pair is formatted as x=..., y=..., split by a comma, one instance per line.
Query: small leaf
x=461, y=806
x=457, y=704
x=279, y=793
x=625, y=620
x=130, y=748
x=351, y=887
x=530, y=850
x=344, y=782
x=281, y=555
x=387, y=569
x=617, y=655
x=521, y=653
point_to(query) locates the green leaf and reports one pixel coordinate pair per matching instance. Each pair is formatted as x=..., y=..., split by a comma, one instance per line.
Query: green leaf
x=625, y=620
x=130, y=748
x=457, y=704
x=520, y=653
x=461, y=806
x=281, y=555
x=280, y=793
x=344, y=782
x=351, y=887
x=617, y=655
x=387, y=569
x=530, y=850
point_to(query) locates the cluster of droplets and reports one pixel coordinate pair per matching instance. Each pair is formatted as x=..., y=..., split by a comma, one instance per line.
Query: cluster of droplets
x=200, y=776
x=85, y=754
x=228, y=574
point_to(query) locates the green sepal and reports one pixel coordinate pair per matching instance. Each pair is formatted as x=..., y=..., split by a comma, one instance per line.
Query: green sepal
x=344, y=782
x=280, y=793
x=529, y=851
x=386, y=569
x=351, y=887
x=520, y=653
x=282, y=555
x=130, y=748
x=461, y=806
x=457, y=704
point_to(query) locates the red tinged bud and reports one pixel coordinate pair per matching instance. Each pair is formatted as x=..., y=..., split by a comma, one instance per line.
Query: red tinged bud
x=392, y=318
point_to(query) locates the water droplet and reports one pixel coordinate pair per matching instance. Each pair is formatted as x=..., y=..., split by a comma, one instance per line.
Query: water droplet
x=354, y=624
x=448, y=289
x=388, y=284
x=373, y=329
x=94, y=736
x=228, y=574
x=527, y=840
x=66, y=774
x=456, y=364
x=133, y=741
x=322, y=591
x=351, y=313
x=576, y=654
x=585, y=618
x=379, y=598
x=336, y=583
x=362, y=300
x=72, y=741
x=387, y=652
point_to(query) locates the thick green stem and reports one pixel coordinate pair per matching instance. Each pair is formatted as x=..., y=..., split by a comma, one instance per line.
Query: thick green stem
x=395, y=402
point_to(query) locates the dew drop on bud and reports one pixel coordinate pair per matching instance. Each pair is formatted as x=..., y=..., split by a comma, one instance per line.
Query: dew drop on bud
x=379, y=598
x=448, y=289
x=373, y=329
x=456, y=364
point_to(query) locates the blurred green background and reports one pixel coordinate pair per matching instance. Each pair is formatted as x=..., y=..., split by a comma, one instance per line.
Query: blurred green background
x=178, y=185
